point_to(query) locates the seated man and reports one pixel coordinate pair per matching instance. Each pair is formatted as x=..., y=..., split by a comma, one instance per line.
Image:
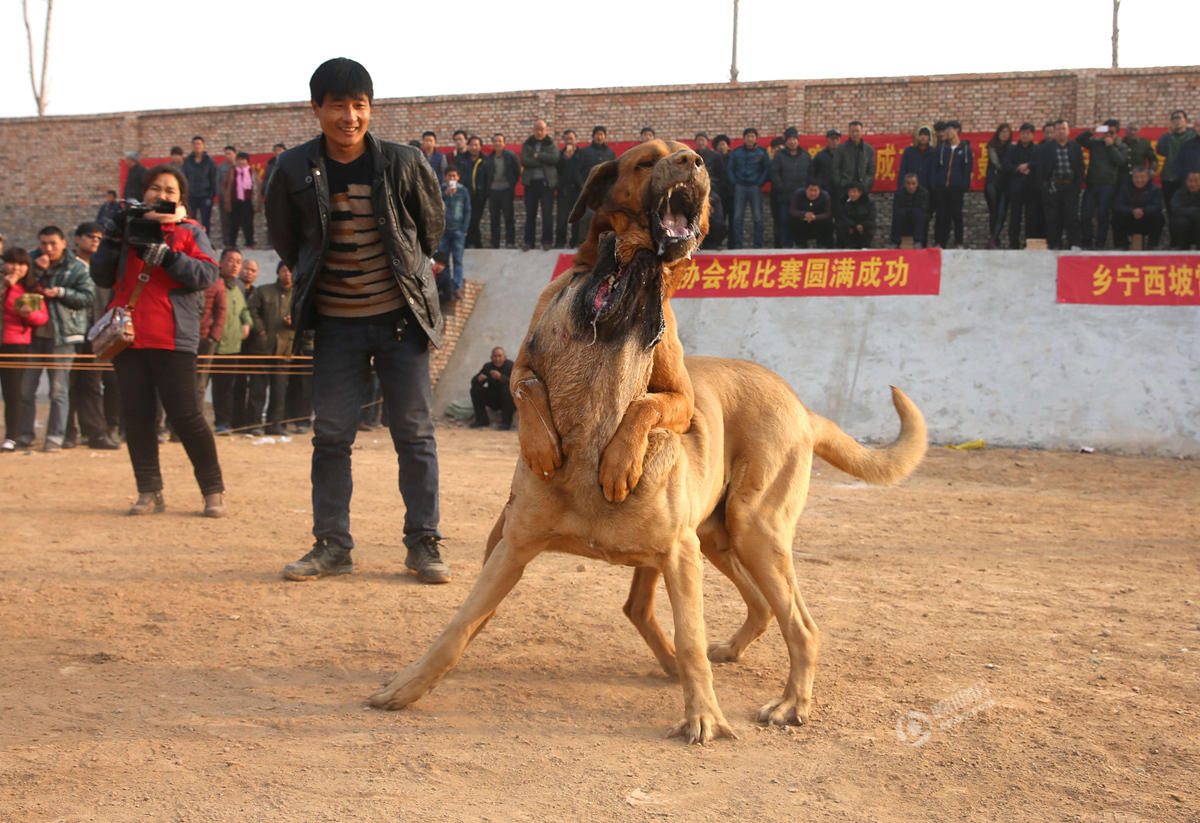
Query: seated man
x=1138, y=210
x=811, y=215
x=490, y=388
x=910, y=212
x=1185, y=213
x=856, y=222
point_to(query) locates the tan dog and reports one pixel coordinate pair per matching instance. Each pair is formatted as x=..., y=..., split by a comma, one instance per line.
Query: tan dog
x=732, y=487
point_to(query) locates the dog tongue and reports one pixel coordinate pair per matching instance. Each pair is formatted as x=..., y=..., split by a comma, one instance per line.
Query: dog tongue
x=675, y=225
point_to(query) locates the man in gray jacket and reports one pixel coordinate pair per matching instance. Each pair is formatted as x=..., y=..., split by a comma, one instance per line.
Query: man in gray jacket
x=67, y=288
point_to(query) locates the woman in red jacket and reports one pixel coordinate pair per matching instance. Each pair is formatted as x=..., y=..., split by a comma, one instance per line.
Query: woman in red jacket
x=161, y=362
x=20, y=317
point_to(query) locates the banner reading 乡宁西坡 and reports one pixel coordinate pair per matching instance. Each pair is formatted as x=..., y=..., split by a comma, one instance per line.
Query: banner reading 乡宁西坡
x=1130, y=280
x=873, y=272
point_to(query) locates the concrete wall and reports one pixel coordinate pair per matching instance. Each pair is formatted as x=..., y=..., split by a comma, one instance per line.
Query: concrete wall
x=992, y=356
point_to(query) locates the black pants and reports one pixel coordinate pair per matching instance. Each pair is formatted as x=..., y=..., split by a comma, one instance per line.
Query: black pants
x=1169, y=187
x=474, y=235
x=12, y=384
x=85, y=414
x=949, y=201
x=565, y=201
x=850, y=239
x=493, y=393
x=912, y=223
x=1060, y=203
x=539, y=195
x=1185, y=231
x=171, y=376
x=820, y=231
x=277, y=384
x=242, y=217
x=1151, y=225
x=501, y=203
x=1024, y=201
x=223, y=390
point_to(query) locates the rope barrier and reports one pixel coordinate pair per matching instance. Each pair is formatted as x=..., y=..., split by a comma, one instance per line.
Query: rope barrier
x=206, y=364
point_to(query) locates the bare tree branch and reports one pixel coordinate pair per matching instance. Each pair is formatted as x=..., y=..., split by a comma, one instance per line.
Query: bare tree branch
x=39, y=94
x=1116, y=31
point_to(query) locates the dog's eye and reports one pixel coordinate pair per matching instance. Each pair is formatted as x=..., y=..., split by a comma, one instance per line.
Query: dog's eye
x=646, y=164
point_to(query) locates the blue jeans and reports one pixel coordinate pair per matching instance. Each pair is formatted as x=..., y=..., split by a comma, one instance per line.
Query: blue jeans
x=58, y=370
x=741, y=196
x=341, y=371
x=452, y=243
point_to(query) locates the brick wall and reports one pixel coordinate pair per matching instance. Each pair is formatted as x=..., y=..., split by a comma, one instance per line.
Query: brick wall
x=55, y=169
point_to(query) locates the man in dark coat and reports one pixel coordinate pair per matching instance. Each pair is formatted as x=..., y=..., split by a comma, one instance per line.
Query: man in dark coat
x=489, y=388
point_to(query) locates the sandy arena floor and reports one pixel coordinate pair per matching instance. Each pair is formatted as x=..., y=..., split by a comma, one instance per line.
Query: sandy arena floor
x=1007, y=636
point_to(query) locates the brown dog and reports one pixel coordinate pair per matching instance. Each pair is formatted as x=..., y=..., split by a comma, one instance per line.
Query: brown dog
x=732, y=487
x=654, y=198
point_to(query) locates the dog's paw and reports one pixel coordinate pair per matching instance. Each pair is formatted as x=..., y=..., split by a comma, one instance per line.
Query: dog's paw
x=702, y=729
x=723, y=653
x=402, y=690
x=620, y=472
x=540, y=452
x=785, y=711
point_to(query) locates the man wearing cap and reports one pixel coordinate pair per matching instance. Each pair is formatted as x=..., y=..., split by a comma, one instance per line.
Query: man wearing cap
x=789, y=171
x=749, y=168
x=822, y=165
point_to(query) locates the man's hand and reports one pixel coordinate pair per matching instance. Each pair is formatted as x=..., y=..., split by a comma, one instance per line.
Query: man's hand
x=495, y=375
x=809, y=217
x=41, y=261
x=51, y=291
x=245, y=331
x=481, y=378
x=858, y=228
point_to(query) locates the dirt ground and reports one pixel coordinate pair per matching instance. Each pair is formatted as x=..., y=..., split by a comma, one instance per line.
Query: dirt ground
x=1007, y=636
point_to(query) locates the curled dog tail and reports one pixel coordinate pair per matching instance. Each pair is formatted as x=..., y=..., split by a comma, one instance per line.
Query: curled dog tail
x=876, y=466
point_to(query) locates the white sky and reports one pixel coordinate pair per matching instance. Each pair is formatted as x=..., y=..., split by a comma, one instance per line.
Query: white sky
x=122, y=55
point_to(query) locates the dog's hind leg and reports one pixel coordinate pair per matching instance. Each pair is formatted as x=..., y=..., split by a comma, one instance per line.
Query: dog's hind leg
x=639, y=608
x=500, y=573
x=714, y=542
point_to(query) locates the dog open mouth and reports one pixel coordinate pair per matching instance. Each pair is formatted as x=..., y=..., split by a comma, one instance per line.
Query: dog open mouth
x=675, y=223
x=617, y=299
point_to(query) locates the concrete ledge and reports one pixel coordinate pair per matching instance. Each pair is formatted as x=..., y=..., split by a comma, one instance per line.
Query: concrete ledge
x=993, y=356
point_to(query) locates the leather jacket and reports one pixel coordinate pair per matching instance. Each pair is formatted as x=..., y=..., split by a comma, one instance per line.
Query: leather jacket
x=407, y=202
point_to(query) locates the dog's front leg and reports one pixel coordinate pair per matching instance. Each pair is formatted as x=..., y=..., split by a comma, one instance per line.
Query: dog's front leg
x=500, y=573
x=668, y=403
x=702, y=717
x=540, y=446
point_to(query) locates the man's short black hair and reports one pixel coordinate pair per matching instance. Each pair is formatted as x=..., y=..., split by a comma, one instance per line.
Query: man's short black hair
x=940, y=125
x=88, y=227
x=425, y=134
x=954, y=124
x=1027, y=127
x=457, y=132
x=749, y=130
x=228, y=250
x=647, y=129
x=570, y=131
x=230, y=148
x=341, y=77
x=599, y=129
x=791, y=131
x=474, y=137
x=47, y=231
x=1113, y=123
x=198, y=137
x=721, y=138
x=855, y=122
x=176, y=150
x=279, y=146
x=113, y=192
x=700, y=134
x=499, y=134
x=441, y=257
x=1180, y=112
x=243, y=155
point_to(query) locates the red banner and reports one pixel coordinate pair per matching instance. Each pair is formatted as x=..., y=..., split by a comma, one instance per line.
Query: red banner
x=1129, y=280
x=869, y=273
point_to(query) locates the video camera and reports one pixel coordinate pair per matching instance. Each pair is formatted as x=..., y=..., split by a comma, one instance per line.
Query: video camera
x=138, y=231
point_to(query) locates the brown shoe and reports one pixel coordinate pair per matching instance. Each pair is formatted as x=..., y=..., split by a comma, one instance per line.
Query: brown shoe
x=148, y=503
x=214, y=505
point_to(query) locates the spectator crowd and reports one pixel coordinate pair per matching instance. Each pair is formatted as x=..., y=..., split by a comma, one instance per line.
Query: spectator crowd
x=1072, y=191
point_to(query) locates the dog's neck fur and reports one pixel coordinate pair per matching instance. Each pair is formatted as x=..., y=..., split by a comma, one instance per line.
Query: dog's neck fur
x=590, y=383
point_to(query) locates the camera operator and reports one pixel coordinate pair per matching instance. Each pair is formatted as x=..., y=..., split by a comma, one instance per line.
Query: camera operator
x=173, y=259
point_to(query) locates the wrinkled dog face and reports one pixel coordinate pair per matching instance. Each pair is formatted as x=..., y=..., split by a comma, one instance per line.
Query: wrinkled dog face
x=655, y=197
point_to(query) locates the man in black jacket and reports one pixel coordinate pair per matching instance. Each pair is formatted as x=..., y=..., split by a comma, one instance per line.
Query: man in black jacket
x=1059, y=169
x=593, y=154
x=1023, y=196
x=539, y=175
x=910, y=212
x=357, y=219
x=472, y=171
x=570, y=184
x=489, y=387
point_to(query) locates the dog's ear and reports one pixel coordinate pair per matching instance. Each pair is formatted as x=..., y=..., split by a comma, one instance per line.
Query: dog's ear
x=595, y=190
